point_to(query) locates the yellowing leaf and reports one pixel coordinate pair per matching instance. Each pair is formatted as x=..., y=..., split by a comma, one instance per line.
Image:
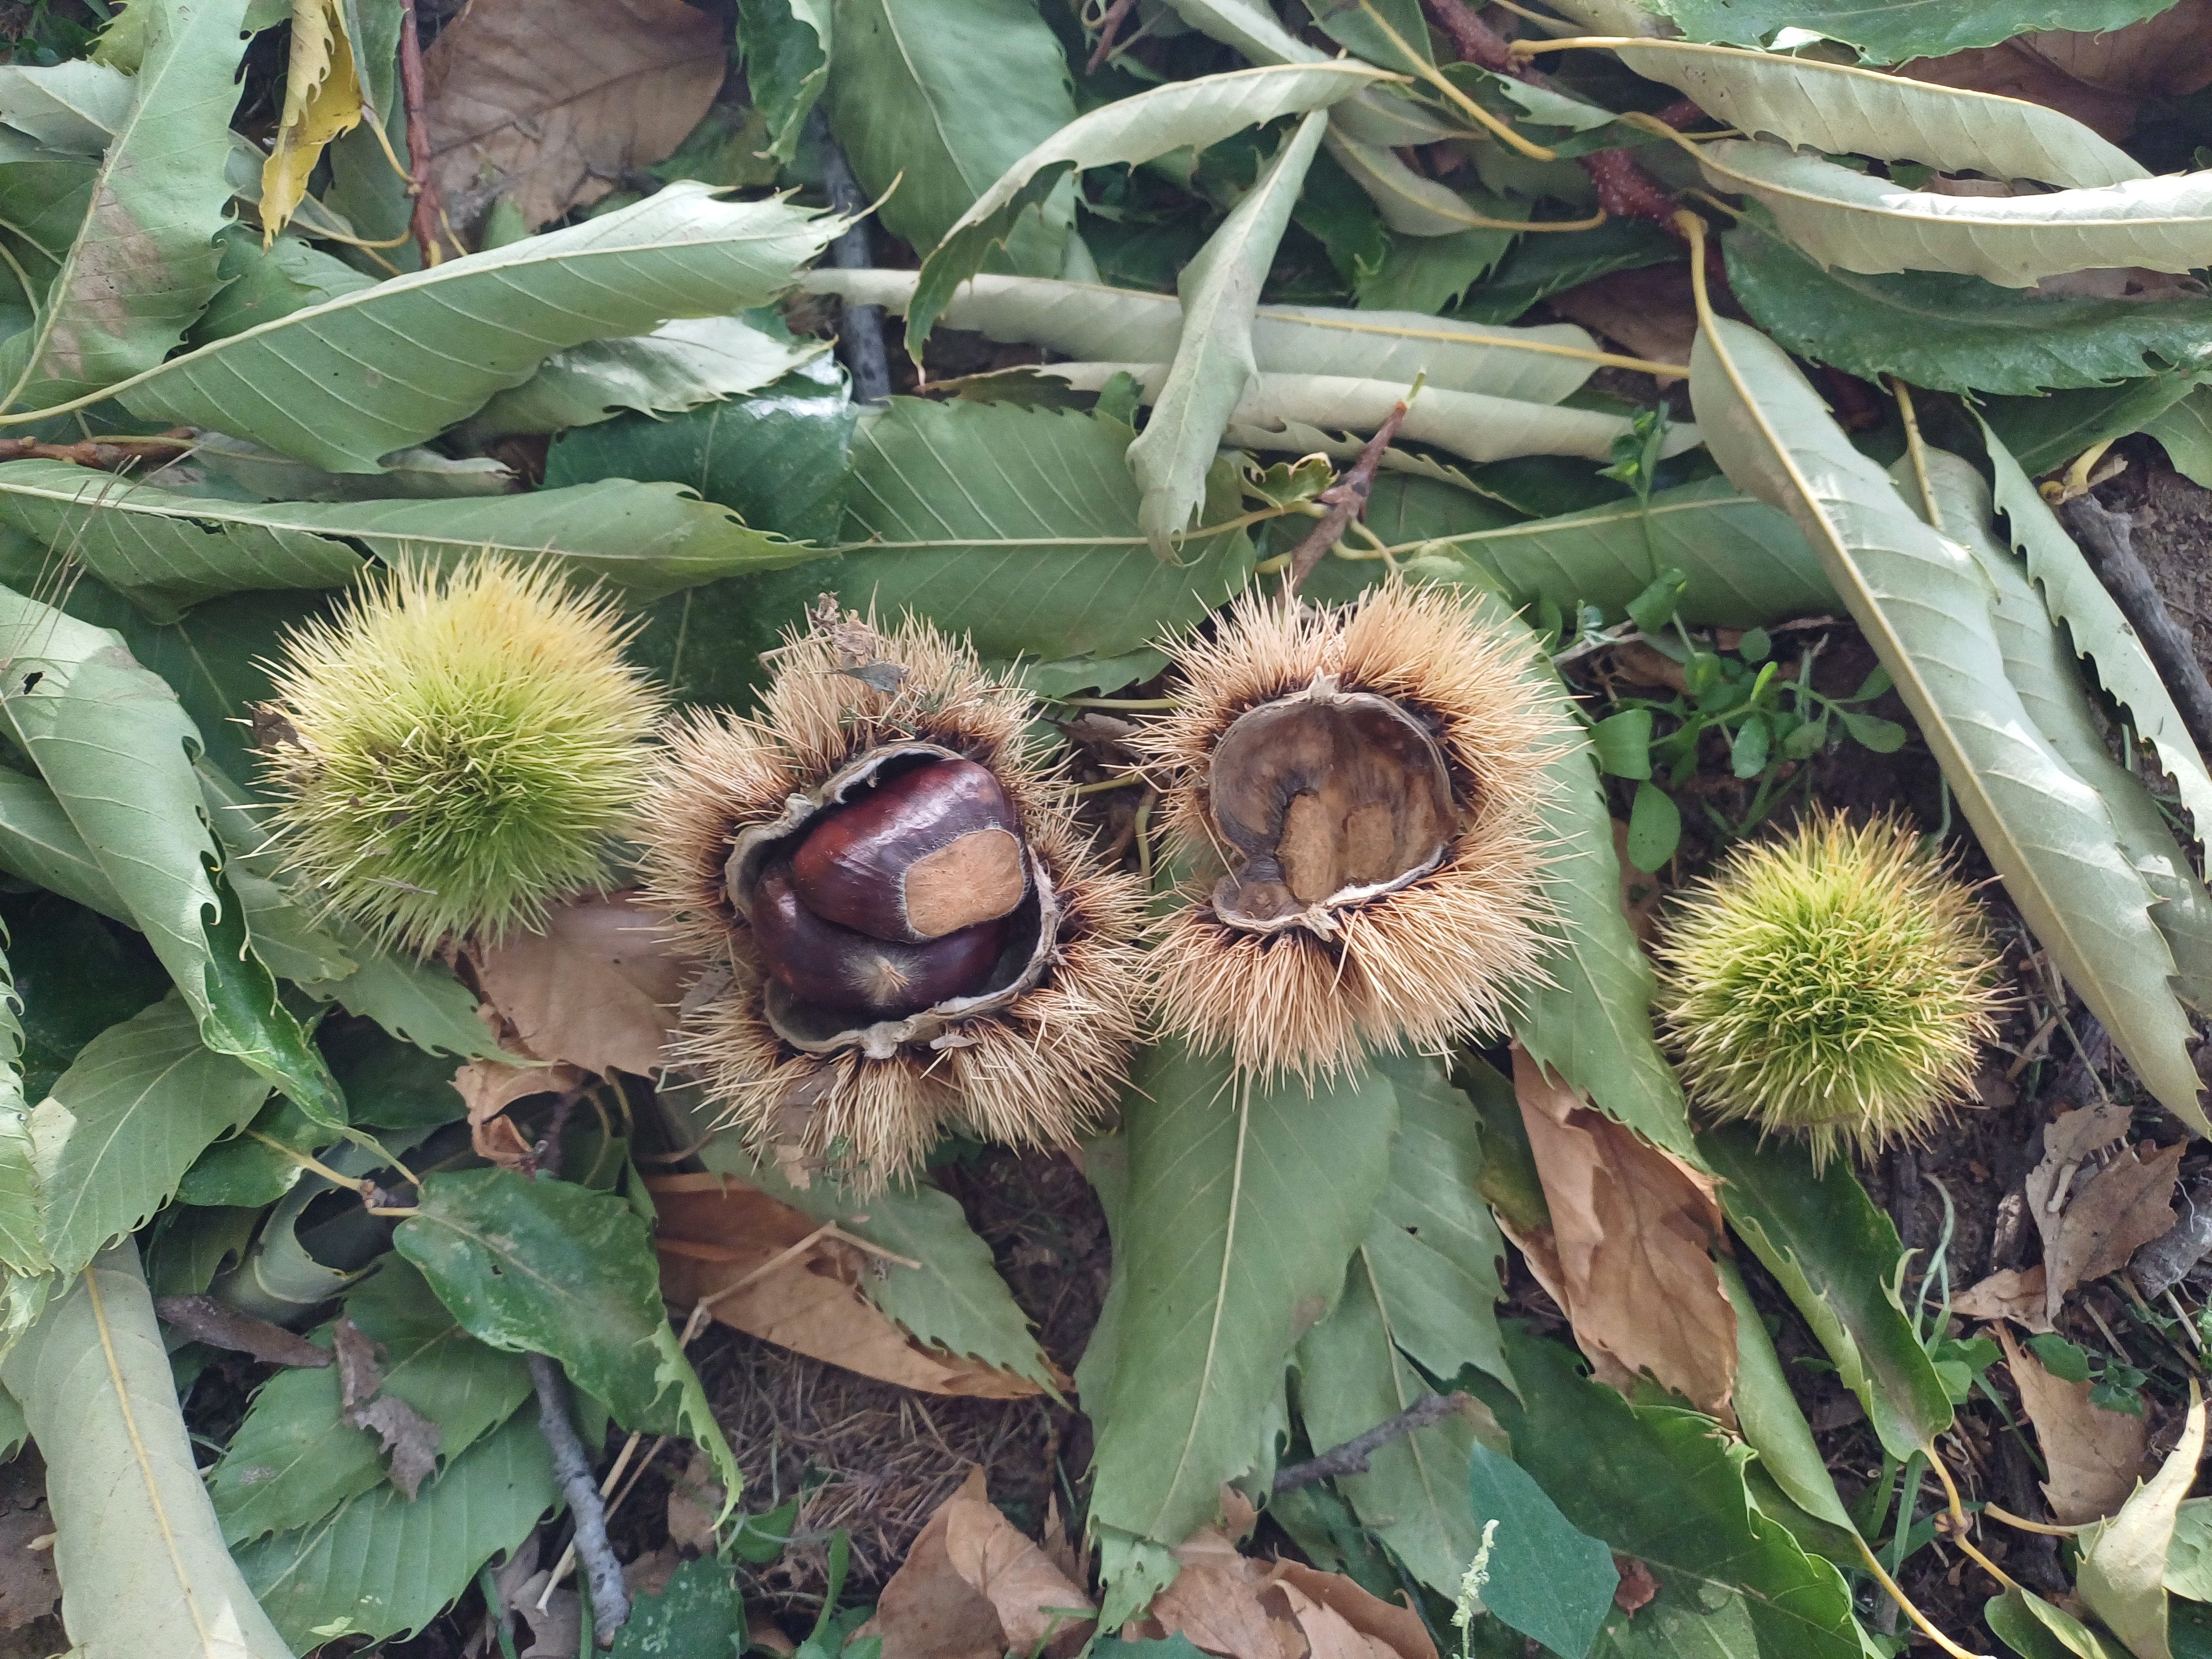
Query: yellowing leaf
x=322, y=99
x=2124, y=1559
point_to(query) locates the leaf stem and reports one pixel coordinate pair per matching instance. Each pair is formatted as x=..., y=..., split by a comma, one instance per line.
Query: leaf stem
x=1920, y=1619
x=1503, y=131
x=1694, y=230
x=312, y=1165
x=1961, y=1525
x=2048, y=1529
x=1143, y=826
x=1918, y=449
x=425, y=217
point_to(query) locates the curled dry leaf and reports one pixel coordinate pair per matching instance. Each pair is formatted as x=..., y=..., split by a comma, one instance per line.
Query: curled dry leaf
x=550, y=102
x=556, y=1630
x=598, y=988
x=1237, y=1608
x=695, y=1499
x=1629, y=1255
x=720, y=1238
x=2013, y=1293
x=1637, y=1588
x=410, y=1439
x=2090, y=1228
x=2127, y=1204
x=972, y=1586
x=488, y=1088
x=221, y=1325
x=2093, y=1455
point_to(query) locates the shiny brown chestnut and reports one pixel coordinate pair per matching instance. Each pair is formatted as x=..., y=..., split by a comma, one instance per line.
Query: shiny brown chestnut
x=927, y=854
x=836, y=968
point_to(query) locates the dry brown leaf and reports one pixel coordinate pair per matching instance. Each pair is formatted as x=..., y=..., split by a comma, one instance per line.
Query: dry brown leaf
x=2068, y=1141
x=1215, y=1602
x=1632, y=1230
x=556, y=1633
x=1060, y=1547
x=695, y=1499
x=715, y=1231
x=1650, y=311
x=489, y=1087
x=1398, y=1628
x=410, y=1439
x=2083, y=1236
x=2161, y=57
x=550, y=102
x=1638, y=663
x=2015, y=1293
x=2013, y=70
x=2094, y=1454
x=1637, y=1590
x=972, y=1587
x=221, y=1325
x=598, y=987
x=29, y=1587
x=648, y=1575
x=1237, y=1608
x=2126, y=1204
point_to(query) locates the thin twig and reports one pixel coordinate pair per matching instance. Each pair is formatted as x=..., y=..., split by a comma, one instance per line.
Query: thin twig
x=428, y=215
x=1474, y=41
x=1625, y=190
x=860, y=335
x=572, y=1469
x=106, y=453
x=1109, y=28
x=2107, y=539
x=1346, y=500
x=1351, y=1457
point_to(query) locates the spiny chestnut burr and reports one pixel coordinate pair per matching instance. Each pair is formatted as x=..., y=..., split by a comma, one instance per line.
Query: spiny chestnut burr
x=1356, y=792
x=929, y=853
x=914, y=931
x=1831, y=982
x=834, y=967
x=452, y=751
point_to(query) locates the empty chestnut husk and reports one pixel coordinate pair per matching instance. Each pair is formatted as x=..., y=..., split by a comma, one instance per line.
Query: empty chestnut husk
x=1359, y=795
x=930, y=852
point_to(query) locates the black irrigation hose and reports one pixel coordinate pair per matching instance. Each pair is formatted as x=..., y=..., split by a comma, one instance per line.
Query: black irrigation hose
x=861, y=339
